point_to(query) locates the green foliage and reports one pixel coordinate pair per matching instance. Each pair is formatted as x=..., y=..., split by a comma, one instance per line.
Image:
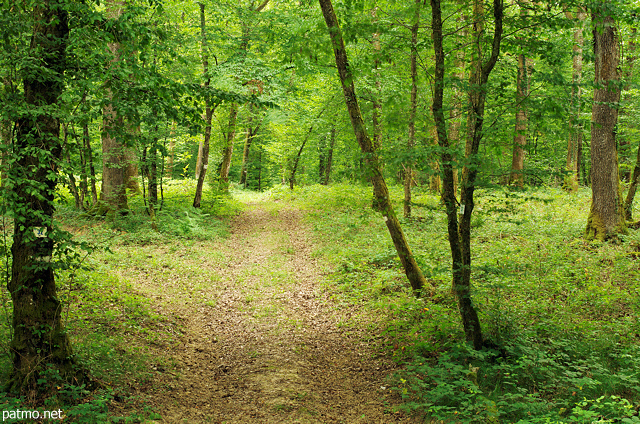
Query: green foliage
x=523, y=382
x=558, y=312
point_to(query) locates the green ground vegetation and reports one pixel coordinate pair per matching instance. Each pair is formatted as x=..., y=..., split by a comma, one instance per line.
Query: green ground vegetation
x=561, y=313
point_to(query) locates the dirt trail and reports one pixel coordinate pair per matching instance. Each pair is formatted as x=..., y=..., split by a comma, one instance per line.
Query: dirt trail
x=263, y=343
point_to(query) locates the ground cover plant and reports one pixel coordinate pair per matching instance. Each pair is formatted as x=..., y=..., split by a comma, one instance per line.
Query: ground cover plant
x=117, y=332
x=560, y=313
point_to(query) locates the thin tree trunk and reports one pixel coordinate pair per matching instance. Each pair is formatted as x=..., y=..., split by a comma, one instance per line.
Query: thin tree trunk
x=84, y=180
x=72, y=179
x=208, y=112
x=39, y=344
x=171, y=150
x=373, y=167
x=460, y=232
x=329, y=158
x=89, y=158
x=574, y=142
x=246, y=149
x=520, y=137
x=260, y=170
x=633, y=187
x=606, y=218
x=227, y=152
x=411, y=139
x=296, y=161
x=624, y=144
x=322, y=158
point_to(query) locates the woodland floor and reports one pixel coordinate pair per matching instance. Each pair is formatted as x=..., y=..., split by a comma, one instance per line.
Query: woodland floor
x=262, y=341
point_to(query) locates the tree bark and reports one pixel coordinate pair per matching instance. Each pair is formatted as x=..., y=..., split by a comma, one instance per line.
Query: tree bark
x=606, y=218
x=408, y=171
x=381, y=192
x=114, y=193
x=39, y=340
x=329, y=157
x=460, y=232
x=520, y=137
x=574, y=142
x=88, y=154
x=208, y=112
x=227, y=152
x=633, y=187
x=246, y=149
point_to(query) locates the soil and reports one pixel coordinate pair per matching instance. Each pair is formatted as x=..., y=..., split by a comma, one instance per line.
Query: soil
x=263, y=341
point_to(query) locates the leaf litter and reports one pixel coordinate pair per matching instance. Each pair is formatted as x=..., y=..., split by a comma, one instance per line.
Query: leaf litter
x=262, y=341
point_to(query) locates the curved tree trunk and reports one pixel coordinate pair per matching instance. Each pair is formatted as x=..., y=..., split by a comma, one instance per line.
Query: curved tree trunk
x=373, y=168
x=606, y=217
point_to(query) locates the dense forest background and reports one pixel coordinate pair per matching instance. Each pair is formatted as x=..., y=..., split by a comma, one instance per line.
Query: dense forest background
x=486, y=134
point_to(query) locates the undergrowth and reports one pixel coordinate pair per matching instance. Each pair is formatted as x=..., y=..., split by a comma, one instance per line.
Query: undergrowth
x=560, y=314
x=116, y=333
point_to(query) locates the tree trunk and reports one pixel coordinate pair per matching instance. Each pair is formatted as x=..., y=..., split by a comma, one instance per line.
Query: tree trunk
x=113, y=156
x=435, y=179
x=89, y=158
x=329, y=157
x=227, y=152
x=624, y=144
x=131, y=167
x=171, y=152
x=39, y=341
x=208, y=112
x=66, y=153
x=199, y=159
x=247, y=149
x=460, y=233
x=520, y=137
x=606, y=217
x=574, y=142
x=411, y=139
x=322, y=158
x=628, y=203
x=381, y=192
x=153, y=174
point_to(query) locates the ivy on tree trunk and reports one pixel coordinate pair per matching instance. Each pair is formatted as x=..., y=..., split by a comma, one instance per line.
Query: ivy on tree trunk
x=39, y=341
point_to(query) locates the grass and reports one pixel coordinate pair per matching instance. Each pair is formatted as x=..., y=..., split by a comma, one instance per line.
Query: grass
x=116, y=332
x=561, y=313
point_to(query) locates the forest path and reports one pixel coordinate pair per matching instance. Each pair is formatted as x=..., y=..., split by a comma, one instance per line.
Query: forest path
x=262, y=343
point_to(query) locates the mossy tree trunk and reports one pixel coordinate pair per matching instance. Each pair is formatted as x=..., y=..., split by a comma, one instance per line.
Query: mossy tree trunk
x=459, y=227
x=372, y=164
x=606, y=218
x=39, y=341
